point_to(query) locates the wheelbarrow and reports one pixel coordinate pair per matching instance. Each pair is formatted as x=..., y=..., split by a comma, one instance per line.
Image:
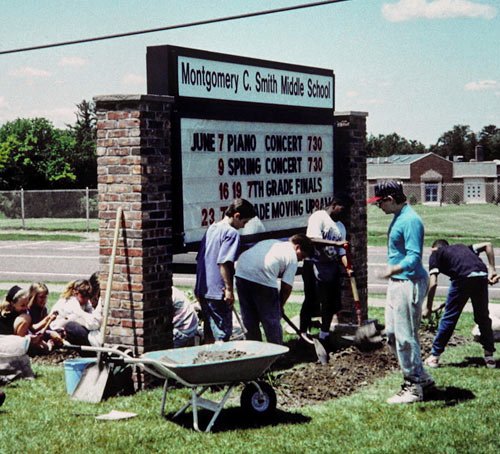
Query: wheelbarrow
x=258, y=397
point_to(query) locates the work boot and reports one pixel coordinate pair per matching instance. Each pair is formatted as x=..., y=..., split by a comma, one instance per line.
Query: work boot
x=409, y=394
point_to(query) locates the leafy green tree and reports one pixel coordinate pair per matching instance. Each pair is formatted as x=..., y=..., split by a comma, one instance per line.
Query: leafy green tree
x=460, y=141
x=83, y=158
x=489, y=138
x=33, y=155
x=387, y=145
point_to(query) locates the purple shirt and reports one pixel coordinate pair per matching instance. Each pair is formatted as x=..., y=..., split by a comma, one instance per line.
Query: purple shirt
x=220, y=244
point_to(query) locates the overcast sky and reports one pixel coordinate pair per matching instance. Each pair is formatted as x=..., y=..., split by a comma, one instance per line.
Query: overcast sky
x=418, y=67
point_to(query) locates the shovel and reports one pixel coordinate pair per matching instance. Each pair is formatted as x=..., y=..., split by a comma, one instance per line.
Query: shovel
x=320, y=350
x=93, y=382
x=365, y=333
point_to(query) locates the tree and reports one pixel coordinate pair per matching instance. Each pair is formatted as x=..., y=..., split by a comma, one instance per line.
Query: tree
x=460, y=141
x=33, y=155
x=387, y=145
x=83, y=159
x=489, y=138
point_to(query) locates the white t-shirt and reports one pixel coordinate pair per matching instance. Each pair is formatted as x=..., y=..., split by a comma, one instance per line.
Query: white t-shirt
x=321, y=225
x=268, y=261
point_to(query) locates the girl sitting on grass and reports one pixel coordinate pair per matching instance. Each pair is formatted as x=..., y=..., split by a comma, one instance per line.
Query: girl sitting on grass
x=40, y=318
x=14, y=318
x=75, y=313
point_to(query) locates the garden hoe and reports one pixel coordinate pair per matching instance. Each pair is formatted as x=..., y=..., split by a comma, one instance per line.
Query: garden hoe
x=366, y=332
x=320, y=350
x=95, y=377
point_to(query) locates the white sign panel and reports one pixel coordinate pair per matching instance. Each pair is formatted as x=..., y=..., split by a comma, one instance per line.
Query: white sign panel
x=285, y=170
x=201, y=78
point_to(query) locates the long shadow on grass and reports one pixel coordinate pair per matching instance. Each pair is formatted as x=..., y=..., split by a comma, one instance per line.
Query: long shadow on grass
x=237, y=419
x=470, y=361
x=449, y=395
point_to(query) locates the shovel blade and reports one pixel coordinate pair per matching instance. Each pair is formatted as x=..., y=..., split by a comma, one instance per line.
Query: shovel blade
x=92, y=384
x=320, y=352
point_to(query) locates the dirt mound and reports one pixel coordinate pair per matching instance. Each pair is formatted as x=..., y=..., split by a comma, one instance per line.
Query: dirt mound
x=303, y=381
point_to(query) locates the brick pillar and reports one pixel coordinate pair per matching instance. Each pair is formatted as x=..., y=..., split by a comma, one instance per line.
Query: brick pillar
x=350, y=177
x=134, y=172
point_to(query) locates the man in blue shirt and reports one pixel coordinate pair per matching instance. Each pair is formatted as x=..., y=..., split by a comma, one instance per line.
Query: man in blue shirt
x=469, y=280
x=218, y=251
x=406, y=289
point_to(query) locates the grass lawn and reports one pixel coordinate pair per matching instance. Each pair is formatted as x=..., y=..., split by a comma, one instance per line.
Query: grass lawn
x=457, y=223
x=38, y=416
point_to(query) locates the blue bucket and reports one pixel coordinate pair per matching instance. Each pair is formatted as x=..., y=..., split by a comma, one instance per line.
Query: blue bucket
x=73, y=371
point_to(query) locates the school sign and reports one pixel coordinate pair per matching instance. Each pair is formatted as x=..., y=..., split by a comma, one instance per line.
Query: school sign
x=247, y=128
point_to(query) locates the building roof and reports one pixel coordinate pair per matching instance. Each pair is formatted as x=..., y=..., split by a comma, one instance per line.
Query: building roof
x=398, y=158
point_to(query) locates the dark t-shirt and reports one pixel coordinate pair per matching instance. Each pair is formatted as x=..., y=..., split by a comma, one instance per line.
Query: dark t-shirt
x=457, y=261
x=37, y=313
x=7, y=323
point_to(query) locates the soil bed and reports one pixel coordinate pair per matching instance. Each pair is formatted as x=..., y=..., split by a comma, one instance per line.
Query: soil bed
x=299, y=379
x=348, y=369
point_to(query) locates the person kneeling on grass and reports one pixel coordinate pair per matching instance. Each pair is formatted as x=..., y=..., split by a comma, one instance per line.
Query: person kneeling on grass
x=469, y=280
x=76, y=315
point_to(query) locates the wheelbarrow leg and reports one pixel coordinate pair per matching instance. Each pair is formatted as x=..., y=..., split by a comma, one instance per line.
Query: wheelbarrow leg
x=164, y=398
x=219, y=408
x=194, y=396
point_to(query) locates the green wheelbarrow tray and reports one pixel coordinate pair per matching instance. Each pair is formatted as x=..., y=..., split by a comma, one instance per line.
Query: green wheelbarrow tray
x=258, y=397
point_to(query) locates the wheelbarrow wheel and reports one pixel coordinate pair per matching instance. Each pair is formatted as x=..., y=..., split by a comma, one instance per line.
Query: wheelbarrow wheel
x=260, y=404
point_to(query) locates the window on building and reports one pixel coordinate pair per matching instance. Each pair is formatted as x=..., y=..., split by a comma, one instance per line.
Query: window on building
x=431, y=192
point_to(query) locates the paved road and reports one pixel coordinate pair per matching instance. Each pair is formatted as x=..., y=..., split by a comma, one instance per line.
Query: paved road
x=60, y=261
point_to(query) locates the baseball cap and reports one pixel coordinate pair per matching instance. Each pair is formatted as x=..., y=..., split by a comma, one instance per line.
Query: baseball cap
x=385, y=189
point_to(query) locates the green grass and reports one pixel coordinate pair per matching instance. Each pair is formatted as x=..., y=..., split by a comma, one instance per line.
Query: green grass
x=40, y=237
x=458, y=223
x=38, y=416
x=50, y=224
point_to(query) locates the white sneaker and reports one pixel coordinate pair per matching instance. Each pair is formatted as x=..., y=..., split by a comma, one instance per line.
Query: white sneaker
x=432, y=361
x=490, y=362
x=409, y=394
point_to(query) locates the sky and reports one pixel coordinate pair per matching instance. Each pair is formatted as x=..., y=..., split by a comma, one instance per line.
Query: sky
x=417, y=67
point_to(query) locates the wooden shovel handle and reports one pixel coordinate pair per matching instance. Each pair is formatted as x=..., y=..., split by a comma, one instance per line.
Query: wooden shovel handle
x=107, y=298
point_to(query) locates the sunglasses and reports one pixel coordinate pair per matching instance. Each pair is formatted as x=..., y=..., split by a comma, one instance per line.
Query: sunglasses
x=382, y=200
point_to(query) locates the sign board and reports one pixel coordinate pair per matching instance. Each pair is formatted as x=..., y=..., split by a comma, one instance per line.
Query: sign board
x=201, y=78
x=245, y=128
x=285, y=170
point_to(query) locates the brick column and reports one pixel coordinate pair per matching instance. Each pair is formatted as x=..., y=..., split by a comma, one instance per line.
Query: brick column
x=350, y=177
x=134, y=172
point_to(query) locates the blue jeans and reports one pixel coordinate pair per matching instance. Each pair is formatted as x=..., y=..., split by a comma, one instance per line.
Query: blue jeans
x=219, y=317
x=402, y=320
x=475, y=288
x=260, y=304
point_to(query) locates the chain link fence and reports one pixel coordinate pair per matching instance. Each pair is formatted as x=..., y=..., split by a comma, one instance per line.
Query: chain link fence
x=476, y=191
x=68, y=209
